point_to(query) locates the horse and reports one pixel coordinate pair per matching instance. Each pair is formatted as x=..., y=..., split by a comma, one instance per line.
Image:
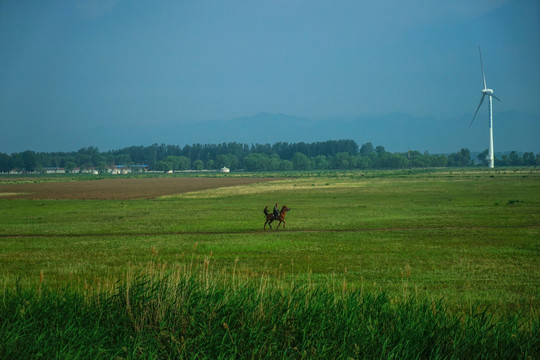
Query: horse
x=270, y=217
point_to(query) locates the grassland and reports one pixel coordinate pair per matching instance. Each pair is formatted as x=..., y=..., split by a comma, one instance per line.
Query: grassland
x=465, y=239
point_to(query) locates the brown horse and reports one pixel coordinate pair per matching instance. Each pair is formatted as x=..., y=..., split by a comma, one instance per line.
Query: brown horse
x=270, y=217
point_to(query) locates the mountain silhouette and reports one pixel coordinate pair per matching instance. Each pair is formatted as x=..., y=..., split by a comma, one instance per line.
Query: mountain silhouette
x=397, y=132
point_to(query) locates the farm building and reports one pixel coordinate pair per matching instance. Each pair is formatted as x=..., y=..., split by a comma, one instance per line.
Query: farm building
x=126, y=169
x=54, y=170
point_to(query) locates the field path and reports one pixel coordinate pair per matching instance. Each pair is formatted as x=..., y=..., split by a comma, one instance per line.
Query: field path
x=385, y=229
x=121, y=189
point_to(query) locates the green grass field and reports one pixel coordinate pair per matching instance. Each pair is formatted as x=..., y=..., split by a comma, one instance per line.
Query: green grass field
x=468, y=238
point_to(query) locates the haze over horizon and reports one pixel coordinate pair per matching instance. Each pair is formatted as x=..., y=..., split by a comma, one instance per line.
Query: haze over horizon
x=116, y=73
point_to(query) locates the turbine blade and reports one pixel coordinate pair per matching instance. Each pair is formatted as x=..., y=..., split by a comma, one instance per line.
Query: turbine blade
x=496, y=97
x=478, y=108
x=482, y=65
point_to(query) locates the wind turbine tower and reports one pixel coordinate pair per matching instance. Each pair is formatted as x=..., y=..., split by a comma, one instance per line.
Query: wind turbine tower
x=489, y=93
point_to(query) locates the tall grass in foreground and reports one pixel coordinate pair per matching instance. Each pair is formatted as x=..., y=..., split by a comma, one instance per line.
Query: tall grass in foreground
x=193, y=313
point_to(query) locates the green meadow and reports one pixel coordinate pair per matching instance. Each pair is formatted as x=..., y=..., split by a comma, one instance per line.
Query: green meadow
x=412, y=244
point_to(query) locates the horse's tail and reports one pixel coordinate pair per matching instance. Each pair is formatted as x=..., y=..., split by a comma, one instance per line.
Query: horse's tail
x=265, y=210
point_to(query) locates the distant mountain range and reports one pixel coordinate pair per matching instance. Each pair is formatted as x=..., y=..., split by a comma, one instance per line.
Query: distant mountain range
x=396, y=132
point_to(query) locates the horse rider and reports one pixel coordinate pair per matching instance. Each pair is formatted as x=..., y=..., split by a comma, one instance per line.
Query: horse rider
x=276, y=211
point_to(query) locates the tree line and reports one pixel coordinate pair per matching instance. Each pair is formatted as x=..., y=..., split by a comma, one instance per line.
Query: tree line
x=332, y=154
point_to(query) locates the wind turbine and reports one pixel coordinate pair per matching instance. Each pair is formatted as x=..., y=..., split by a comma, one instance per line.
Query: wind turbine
x=489, y=93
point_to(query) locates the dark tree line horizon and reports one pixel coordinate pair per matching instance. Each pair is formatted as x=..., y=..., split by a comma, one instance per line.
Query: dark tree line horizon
x=331, y=154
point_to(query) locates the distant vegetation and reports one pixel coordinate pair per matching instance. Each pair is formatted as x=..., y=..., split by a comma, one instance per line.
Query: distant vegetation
x=334, y=154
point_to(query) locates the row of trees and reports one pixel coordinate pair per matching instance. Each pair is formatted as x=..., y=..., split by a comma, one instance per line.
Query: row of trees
x=334, y=154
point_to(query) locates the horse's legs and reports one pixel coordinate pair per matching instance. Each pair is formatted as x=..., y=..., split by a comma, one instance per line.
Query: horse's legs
x=281, y=221
x=269, y=222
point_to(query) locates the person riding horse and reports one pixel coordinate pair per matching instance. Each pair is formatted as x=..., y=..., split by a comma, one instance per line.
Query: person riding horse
x=278, y=215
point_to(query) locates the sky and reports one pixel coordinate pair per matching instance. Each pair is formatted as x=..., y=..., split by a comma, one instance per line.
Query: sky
x=74, y=71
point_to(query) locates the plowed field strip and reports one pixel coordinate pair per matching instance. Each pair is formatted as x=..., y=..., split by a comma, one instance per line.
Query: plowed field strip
x=120, y=189
x=397, y=229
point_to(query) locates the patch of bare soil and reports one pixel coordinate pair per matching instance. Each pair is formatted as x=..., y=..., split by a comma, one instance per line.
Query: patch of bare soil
x=145, y=188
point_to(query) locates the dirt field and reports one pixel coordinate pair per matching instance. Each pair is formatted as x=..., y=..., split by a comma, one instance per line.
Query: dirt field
x=118, y=188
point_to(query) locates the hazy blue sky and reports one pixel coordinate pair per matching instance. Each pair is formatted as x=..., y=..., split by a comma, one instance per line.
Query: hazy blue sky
x=127, y=64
